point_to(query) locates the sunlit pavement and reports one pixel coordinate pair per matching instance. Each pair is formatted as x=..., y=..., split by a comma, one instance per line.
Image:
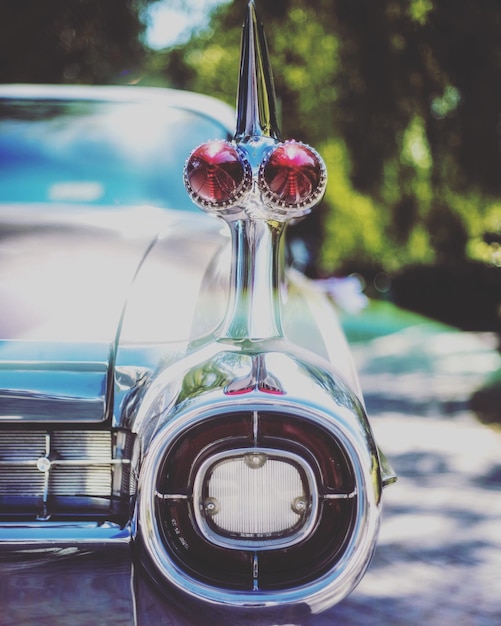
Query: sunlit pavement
x=438, y=561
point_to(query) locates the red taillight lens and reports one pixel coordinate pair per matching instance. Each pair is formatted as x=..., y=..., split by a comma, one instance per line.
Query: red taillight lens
x=292, y=175
x=216, y=175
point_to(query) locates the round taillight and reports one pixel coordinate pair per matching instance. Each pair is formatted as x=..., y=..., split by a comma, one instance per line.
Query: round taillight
x=292, y=175
x=216, y=175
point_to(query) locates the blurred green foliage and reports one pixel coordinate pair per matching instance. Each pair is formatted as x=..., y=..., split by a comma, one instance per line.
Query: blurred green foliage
x=402, y=98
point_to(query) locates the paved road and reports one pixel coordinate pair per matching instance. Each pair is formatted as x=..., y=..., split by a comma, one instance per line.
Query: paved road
x=438, y=562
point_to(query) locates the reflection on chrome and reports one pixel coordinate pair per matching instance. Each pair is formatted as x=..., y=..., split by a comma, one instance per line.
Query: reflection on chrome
x=257, y=379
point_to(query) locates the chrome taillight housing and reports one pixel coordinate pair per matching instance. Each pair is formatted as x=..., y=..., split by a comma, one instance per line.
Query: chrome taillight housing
x=270, y=502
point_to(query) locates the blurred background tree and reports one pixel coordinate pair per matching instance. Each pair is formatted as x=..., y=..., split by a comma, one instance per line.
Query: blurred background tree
x=71, y=41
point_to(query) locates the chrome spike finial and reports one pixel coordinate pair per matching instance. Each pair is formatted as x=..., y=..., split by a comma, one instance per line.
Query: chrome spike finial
x=257, y=184
x=256, y=103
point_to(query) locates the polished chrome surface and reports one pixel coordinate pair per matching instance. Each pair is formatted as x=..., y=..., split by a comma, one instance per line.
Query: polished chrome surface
x=258, y=379
x=46, y=382
x=256, y=104
x=254, y=309
x=256, y=223
x=51, y=534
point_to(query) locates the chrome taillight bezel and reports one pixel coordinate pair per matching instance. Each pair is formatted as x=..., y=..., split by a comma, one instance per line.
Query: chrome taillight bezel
x=231, y=199
x=299, y=208
x=173, y=543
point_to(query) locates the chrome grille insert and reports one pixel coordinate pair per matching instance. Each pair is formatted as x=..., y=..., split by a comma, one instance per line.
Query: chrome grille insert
x=41, y=466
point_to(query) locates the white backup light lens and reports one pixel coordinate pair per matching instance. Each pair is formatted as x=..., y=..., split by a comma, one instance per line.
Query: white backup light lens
x=255, y=497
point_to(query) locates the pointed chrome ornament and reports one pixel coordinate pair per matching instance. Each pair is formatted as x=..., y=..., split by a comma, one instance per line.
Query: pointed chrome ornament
x=256, y=102
x=257, y=184
x=256, y=176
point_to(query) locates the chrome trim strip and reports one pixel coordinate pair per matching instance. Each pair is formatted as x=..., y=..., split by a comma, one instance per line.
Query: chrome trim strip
x=340, y=496
x=48, y=382
x=170, y=496
x=75, y=462
x=26, y=533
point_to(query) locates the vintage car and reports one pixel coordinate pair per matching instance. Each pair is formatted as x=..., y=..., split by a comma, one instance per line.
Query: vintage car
x=166, y=383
